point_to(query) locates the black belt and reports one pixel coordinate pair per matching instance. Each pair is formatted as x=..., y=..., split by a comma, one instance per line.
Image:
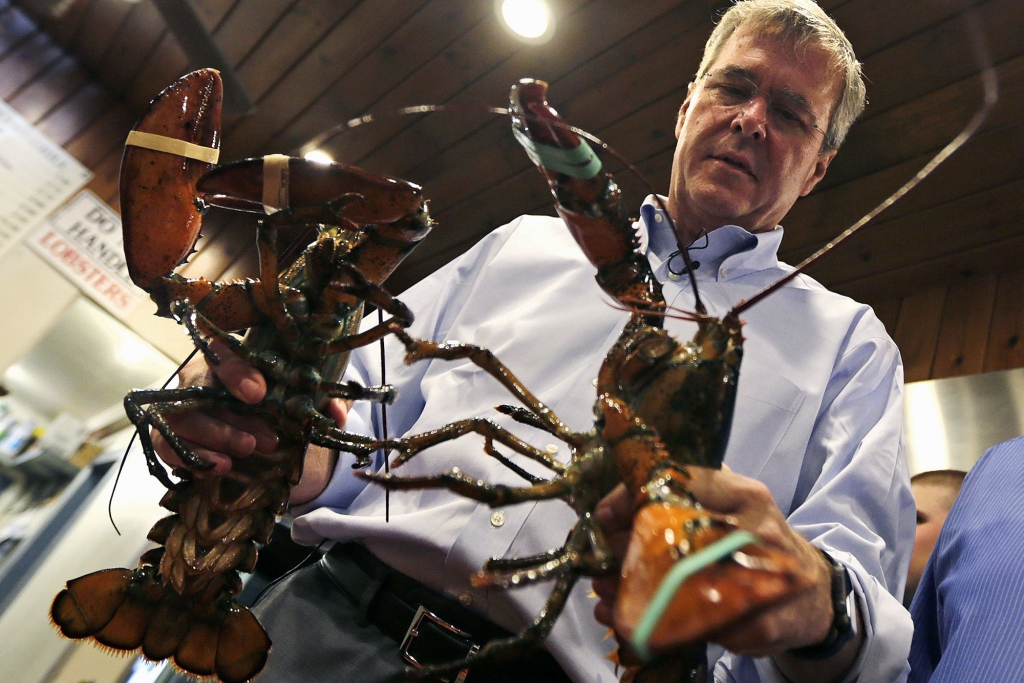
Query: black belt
x=429, y=628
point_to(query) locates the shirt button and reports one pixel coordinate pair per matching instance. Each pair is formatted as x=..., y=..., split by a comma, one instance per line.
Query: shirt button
x=551, y=448
x=465, y=599
x=725, y=272
x=658, y=218
x=497, y=518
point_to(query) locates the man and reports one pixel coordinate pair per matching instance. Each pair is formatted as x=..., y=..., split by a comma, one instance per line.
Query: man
x=934, y=493
x=814, y=451
x=969, y=608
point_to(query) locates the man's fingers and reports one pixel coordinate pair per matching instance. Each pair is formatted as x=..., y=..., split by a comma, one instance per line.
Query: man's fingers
x=245, y=382
x=720, y=490
x=212, y=434
x=604, y=612
x=221, y=463
x=615, y=511
x=265, y=435
x=607, y=589
x=337, y=410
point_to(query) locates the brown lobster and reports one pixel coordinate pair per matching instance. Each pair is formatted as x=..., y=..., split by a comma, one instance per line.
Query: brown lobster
x=179, y=602
x=661, y=405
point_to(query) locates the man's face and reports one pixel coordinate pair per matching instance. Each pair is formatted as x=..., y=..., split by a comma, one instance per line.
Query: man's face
x=933, y=504
x=731, y=164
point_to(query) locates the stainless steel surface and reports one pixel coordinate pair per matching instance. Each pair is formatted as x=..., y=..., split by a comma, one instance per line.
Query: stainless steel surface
x=86, y=363
x=949, y=423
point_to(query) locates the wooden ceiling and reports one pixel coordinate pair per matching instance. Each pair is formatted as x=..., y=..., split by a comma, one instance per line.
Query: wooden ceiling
x=618, y=69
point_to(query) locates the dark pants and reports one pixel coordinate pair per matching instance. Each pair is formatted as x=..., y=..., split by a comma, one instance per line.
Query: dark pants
x=319, y=635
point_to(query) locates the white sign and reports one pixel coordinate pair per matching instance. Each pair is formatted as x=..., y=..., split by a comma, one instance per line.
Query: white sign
x=36, y=177
x=83, y=241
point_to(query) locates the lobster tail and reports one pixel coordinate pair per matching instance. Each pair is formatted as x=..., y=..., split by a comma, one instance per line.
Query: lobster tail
x=89, y=602
x=128, y=610
x=242, y=646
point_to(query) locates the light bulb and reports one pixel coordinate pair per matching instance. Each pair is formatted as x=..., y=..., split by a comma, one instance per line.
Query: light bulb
x=527, y=18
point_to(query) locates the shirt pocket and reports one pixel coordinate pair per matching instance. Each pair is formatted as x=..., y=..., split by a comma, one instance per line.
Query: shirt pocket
x=766, y=405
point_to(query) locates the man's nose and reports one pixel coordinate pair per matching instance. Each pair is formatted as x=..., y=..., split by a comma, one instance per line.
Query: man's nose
x=752, y=116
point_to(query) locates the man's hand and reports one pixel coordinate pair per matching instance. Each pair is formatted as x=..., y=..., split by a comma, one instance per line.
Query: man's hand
x=219, y=437
x=615, y=515
x=804, y=619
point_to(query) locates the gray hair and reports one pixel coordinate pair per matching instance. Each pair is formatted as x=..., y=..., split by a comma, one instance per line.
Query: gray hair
x=803, y=23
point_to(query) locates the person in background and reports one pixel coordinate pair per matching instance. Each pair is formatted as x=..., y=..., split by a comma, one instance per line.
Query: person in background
x=969, y=609
x=934, y=493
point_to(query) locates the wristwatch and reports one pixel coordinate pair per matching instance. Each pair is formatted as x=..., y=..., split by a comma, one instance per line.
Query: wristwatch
x=844, y=616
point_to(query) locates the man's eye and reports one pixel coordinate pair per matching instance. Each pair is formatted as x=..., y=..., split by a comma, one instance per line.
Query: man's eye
x=733, y=92
x=789, y=116
x=921, y=518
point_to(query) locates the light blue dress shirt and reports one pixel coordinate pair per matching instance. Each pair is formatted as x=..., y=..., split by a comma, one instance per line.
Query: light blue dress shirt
x=969, y=607
x=818, y=420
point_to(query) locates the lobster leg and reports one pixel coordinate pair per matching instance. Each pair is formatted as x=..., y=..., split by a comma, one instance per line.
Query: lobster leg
x=266, y=244
x=494, y=495
x=418, y=349
x=361, y=447
x=169, y=399
x=570, y=558
x=528, y=639
x=411, y=445
x=375, y=294
x=357, y=392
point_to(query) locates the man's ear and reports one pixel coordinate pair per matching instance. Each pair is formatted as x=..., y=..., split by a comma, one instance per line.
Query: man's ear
x=819, y=171
x=682, y=109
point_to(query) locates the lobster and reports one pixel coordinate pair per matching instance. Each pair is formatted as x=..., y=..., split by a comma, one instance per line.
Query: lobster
x=180, y=601
x=662, y=405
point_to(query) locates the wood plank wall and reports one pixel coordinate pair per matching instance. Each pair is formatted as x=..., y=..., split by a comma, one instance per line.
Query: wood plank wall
x=52, y=91
x=50, y=88
x=975, y=325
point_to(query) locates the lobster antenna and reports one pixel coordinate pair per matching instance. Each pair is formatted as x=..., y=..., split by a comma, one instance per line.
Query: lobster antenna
x=384, y=420
x=124, y=458
x=330, y=133
x=991, y=96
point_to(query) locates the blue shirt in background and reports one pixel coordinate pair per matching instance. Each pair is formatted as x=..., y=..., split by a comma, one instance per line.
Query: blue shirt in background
x=969, y=608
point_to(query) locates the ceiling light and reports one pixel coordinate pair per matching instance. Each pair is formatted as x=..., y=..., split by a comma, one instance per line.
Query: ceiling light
x=530, y=20
x=319, y=156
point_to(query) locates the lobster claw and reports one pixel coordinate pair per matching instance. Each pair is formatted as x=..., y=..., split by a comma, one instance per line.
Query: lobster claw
x=588, y=201
x=171, y=147
x=242, y=185
x=748, y=578
x=535, y=119
x=391, y=214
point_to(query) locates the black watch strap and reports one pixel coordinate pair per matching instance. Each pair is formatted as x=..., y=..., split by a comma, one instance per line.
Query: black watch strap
x=843, y=629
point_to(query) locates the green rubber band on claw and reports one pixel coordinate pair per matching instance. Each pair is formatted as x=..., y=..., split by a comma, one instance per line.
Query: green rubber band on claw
x=580, y=162
x=684, y=569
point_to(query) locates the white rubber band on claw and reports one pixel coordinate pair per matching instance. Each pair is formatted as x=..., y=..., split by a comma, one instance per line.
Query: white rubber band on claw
x=276, y=183
x=162, y=143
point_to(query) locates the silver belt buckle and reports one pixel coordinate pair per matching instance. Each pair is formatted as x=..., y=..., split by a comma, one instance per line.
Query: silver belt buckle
x=421, y=614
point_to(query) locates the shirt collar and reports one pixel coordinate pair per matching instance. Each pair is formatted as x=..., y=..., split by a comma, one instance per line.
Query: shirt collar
x=730, y=250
